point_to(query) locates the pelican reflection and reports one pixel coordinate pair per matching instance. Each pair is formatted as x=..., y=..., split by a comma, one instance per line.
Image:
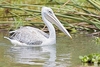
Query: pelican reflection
x=43, y=56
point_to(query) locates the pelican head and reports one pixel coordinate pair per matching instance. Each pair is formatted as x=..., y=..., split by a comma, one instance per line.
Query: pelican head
x=50, y=16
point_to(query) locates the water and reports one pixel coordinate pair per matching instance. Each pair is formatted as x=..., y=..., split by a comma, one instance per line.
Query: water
x=64, y=54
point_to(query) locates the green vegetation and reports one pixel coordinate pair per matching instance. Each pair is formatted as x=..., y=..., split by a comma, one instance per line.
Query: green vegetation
x=92, y=58
x=74, y=14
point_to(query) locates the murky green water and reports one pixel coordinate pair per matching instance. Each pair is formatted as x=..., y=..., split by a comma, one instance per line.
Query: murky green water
x=64, y=54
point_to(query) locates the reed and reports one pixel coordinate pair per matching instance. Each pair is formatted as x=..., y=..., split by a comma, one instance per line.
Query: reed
x=69, y=12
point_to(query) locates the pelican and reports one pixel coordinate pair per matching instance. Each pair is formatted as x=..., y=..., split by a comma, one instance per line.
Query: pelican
x=33, y=36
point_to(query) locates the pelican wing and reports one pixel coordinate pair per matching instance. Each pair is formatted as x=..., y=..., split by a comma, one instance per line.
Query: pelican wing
x=29, y=35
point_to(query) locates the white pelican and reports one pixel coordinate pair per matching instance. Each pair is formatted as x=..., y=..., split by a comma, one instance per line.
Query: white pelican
x=33, y=36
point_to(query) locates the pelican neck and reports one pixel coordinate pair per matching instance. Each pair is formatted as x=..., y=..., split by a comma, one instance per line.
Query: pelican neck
x=52, y=34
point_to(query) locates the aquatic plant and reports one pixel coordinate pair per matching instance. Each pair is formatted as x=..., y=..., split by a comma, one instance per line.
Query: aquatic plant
x=91, y=58
x=97, y=40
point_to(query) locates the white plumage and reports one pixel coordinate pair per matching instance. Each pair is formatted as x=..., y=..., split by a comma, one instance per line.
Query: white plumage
x=33, y=36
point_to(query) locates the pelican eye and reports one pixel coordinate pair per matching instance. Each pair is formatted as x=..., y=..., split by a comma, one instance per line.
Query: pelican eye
x=50, y=12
